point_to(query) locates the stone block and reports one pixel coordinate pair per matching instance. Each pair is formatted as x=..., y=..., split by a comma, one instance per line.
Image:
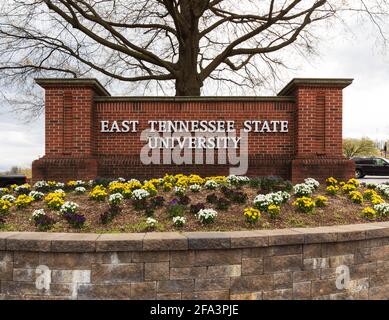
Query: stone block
x=252, y=266
x=208, y=240
x=160, y=241
x=66, y=261
x=188, y=273
x=217, y=257
x=302, y=290
x=157, y=271
x=283, y=263
x=150, y=256
x=120, y=242
x=248, y=239
x=122, y=273
x=71, y=276
x=212, y=284
x=224, y=271
x=282, y=294
x=30, y=241
x=316, y=263
x=104, y=291
x=74, y=242
x=283, y=280
x=346, y=260
x=206, y=295
x=306, y=275
x=247, y=296
x=144, y=290
x=179, y=259
x=245, y=284
x=185, y=285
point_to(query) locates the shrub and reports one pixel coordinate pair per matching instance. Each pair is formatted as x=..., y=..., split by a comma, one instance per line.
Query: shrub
x=303, y=189
x=211, y=185
x=212, y=198
x=98, y=193
x=23, y=201
x=356, y=197
x=179, y=222
x=115, y=199
x=331, y=181
x=206, y=216
x=312, y=182
x=5, y=205
x=183, y=200
x=75, y=220
x=41, y=220
x=321, y=201
x=354, y=182
x=369, y=214
x=382, y=209
x=9, y=198
x=175, y=209
x=347, y=188
x=332, y=190
x=376, y=199
x=252, y=215
x=41, y=186
x=238, y=197
x=151, y=222
x=255, y=183
x=274, y=211
x=36, y=195
x=195, y=188
x=222, y=204
x=24, y=189
x=80, y=190
x=157, y=201
x=305, y=204
x=69, y=207
x=368, y=194
x=194, y=208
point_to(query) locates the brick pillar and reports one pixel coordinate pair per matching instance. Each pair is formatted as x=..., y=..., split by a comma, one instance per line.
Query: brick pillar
x=318, y=138
x=69, y=129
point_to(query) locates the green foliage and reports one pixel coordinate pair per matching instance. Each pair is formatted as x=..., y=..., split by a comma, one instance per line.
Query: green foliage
x=359, y=147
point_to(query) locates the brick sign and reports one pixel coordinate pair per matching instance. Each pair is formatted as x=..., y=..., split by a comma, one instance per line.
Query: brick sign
x=90, y=134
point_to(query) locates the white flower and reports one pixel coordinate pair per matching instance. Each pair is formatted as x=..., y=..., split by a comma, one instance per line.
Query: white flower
x=91, y=183
x=206, y=215
x=139, y=194
x=80, y=183
x=24, y=188
x=382, y=209
x=60, y=185
x=151, y=222
x=59, y=191
x=36, y=195
x=303, y=189
x=41, y=184
x=133, y=181
x=179, y=221
x=211, y=184
x=262, y=202
x=115, y=198
x=9, y=198
x=38, y=213
x=179, y=190
x=69, y=207
x=80, y=190
x=121, y=179
x=195, y=188
x=235, y=180
x=312, y=182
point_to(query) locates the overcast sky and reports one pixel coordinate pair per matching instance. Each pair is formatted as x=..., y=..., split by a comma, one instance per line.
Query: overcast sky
x=366, y=107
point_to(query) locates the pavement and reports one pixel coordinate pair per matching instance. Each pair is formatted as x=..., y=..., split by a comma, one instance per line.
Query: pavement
x=374, y=179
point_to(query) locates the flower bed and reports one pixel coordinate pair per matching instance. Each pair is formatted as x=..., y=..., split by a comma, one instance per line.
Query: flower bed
x=188, y=203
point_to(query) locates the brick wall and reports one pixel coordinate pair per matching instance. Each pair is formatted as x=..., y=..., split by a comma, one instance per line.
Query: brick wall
x=76, y=149
x=268, y=264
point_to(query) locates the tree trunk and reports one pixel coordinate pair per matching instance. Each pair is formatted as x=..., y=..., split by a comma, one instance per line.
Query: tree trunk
x=188, y=82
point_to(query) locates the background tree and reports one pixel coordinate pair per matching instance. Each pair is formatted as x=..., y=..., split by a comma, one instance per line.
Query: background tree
x=162, y=42
x=360, y=147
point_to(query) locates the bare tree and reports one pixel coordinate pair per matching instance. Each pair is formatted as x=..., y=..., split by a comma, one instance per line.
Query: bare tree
x=179, y=42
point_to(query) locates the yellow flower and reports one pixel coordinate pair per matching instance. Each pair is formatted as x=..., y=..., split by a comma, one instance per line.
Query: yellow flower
x=321, y=201
x=332, y=181
x=98, y=193
x=252, y=215
x=23, y=201
x=369, y=213
x=5, y=205
x=356, y=197
x=305, y=204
